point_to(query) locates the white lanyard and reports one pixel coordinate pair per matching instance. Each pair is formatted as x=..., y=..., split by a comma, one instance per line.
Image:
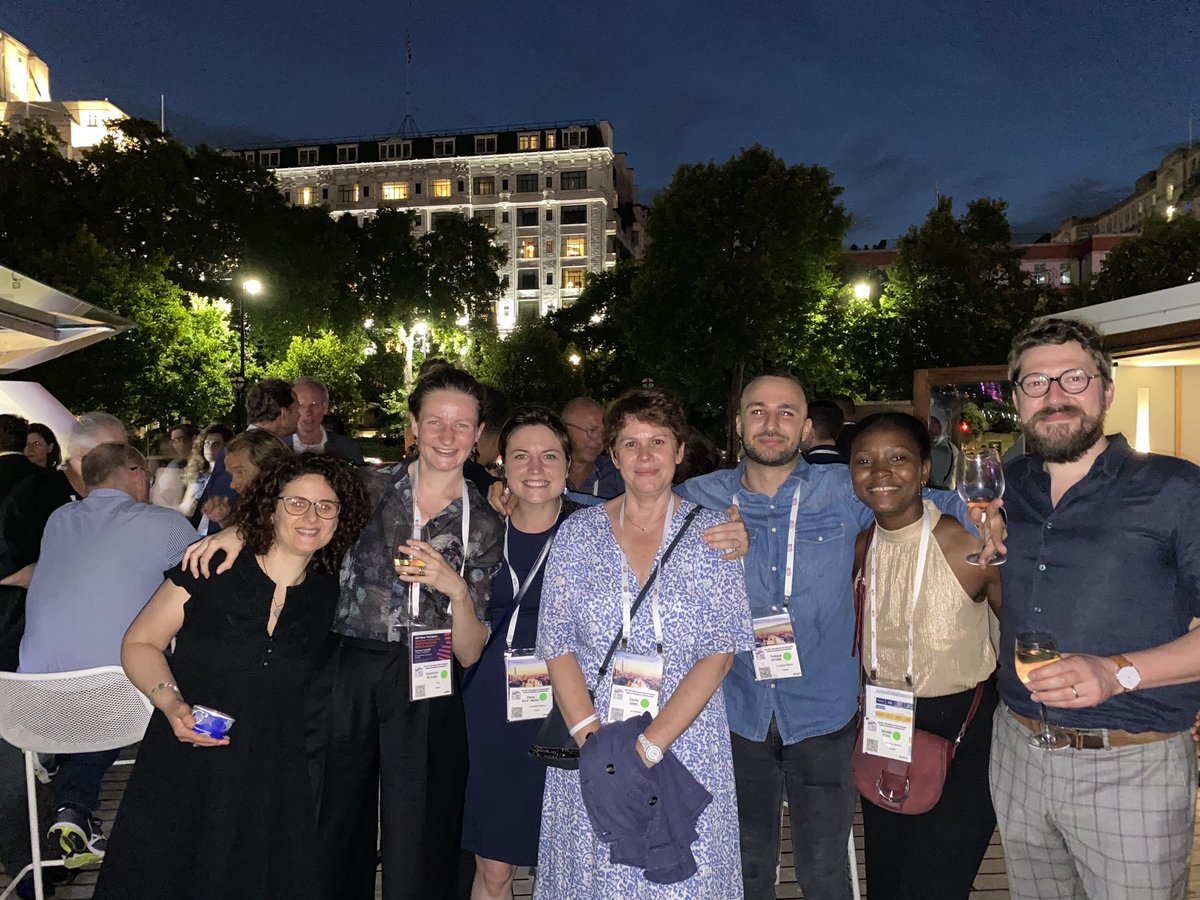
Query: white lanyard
x=414, y=589
x=922, y=552
x=790, y=560
x=519, y=590
x=625, y=570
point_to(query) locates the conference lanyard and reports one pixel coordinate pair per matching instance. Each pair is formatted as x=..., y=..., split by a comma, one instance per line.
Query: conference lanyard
x=414, y=589
x=626, y=596
x=922, y=553
x=789, y=562
x=519, y=590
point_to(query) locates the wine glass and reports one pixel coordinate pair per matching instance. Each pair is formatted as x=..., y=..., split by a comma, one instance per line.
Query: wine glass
x=980, y=480
x=1035, y=649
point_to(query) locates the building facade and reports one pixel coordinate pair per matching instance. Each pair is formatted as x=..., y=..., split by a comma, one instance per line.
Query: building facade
x=25, y=96
x=557, y=196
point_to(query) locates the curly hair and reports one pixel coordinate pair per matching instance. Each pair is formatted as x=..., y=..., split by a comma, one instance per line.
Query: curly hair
x=197, y=465
x=1060, y=330
x=254, y=515
x=649, y=405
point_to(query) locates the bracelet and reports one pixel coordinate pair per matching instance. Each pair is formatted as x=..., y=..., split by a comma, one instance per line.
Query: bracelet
x=162, y=684
x=582, y=724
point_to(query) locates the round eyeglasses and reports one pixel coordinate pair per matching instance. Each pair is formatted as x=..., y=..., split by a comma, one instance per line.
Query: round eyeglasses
x=298, y=506
x=1072, y=381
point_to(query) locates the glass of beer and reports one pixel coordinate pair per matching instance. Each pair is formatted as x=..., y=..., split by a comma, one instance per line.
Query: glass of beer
x=1035, y=649
x=980, y=480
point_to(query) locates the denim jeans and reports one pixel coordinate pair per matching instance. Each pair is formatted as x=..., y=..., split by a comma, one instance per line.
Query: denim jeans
x=77, y=783
x=815, y=773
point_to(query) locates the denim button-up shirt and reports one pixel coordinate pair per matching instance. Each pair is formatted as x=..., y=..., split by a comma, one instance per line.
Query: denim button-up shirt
x=829, y=518
x=1113, y=568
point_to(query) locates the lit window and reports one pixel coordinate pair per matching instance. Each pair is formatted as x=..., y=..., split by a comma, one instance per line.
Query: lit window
x=572, y=279
x=529, y=141
x=485, y=184
x=306, y=196
x=269, y=159
x=527, y=280
x=443, y=147
x=308, y=156
x=575, y=245
x=347, y=153
x=1064, y=276
x=550, y=140
x=574, y=137
x=441, y=187
x=528, y=248
x=395, y=190
x=527, y=217
x=527, y=184
x=485, y=144
x=347, y=193
x=1039, y=273
x=574, y=181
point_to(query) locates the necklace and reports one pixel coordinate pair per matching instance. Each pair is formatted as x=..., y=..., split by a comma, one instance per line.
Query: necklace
x=277, y=608
x=642, y=529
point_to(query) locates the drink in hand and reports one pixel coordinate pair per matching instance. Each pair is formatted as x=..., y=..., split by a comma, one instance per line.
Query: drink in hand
x=1030, y=659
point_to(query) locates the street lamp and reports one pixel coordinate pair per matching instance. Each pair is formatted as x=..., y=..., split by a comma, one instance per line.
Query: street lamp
x=862, y=290
x=253, y=287
x=575, y=359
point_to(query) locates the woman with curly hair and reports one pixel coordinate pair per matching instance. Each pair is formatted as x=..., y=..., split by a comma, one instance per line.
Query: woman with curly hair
x=205, y=450
x=237, y=820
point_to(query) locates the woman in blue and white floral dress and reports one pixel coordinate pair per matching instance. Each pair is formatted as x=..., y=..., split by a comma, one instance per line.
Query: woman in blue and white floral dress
x=705, y=620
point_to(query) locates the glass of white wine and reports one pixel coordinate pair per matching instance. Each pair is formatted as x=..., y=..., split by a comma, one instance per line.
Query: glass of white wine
x=980, y=480
x=1035, y=649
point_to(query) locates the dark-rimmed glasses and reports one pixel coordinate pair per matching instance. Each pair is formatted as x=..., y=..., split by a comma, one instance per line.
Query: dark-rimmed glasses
x=298, y=506
x=1072, y=381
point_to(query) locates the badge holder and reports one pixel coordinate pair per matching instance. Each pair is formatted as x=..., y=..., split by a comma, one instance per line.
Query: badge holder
x=431, y=654
x=775, y=653
x=636, y=685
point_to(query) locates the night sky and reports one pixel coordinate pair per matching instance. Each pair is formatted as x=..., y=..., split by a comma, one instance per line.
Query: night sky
x=1055, y=106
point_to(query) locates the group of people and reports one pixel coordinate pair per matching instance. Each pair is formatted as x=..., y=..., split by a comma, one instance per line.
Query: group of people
x=715, y=646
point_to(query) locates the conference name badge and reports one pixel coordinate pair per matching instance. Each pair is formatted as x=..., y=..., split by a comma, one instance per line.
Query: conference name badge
x=775, y=653
x=888, y=723
x=636, y=685
x=528, y=687
x=430, y=654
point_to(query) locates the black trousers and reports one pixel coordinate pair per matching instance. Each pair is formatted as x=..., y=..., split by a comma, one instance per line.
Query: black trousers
x=815, y=773
x=937, y=854
x=380, y=757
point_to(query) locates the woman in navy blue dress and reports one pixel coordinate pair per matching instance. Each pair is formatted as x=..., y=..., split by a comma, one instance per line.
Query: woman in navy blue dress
x=507, y=693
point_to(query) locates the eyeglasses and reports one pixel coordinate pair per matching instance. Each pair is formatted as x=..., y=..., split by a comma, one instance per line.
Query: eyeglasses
x=592, y=431
x=1072, y=381
x=298, y=506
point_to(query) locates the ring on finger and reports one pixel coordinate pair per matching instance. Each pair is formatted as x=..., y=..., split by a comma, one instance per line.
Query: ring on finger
x=1075, y=691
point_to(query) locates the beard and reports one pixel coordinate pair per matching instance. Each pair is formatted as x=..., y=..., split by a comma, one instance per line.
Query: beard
x=785, y=455
x=1063, y=442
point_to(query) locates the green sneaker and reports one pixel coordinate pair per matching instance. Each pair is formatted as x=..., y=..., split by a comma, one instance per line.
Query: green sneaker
x=80, y=837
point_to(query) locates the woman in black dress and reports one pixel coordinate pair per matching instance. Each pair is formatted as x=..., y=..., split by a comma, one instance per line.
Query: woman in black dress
x=502, y=817
x=236, y=820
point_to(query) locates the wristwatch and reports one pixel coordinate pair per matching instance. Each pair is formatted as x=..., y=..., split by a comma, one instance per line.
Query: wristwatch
x=1127, y=676
x=653, y=751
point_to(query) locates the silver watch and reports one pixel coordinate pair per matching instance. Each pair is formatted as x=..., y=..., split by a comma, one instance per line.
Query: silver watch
x=653, y=751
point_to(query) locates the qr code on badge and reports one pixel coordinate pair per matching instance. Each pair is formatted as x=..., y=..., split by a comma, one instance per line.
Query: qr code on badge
x=764, y=672
x=419, y=691
x=872, y=746
x=518, y=713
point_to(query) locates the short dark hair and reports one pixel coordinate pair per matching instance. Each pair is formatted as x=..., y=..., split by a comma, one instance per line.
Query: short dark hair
x=1060, y=330
x=54, y=457
x=267, y=399
x=846, y=404
x=446, y=378
x=257, y=508
x=187, y=428
x=14, y=432
x=650, y=405
x=700, y=457
x=106, y=460
x=535, y=415
x=826, y=419
x=902, y=422
x=495, y=407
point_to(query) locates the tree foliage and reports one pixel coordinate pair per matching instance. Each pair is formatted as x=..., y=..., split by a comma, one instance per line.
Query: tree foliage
x=1165, y=254
x=331, y=359
x=530, y=366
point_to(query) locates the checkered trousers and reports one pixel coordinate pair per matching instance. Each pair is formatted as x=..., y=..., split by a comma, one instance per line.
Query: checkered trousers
x=1096, y=824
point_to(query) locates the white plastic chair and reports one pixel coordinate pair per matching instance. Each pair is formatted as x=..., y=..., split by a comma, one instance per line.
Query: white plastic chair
x=66, y=712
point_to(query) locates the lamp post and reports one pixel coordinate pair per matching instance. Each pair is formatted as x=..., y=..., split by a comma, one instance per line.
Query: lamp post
x=253, y=287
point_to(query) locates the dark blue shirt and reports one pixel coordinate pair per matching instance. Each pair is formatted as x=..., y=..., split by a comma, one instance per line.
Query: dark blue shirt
x=1114, y=568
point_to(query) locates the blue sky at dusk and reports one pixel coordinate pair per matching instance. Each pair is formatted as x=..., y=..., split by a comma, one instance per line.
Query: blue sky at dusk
x=1057, y=106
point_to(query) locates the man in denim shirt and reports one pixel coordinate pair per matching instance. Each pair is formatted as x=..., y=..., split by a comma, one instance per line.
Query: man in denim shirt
x=795, y=734
x=1104, y=555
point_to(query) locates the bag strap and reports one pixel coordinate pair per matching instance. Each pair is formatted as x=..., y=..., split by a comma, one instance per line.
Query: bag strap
x=970, y=715
x=860, y=593
x=646, y=589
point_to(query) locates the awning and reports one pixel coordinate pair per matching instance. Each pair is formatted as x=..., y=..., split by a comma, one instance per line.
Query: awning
x=39, y=323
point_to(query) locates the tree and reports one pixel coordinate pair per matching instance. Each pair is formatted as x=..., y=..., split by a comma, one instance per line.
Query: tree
x=530, y=366
x=333, y=360
x=1165, y=254
x=736, y=254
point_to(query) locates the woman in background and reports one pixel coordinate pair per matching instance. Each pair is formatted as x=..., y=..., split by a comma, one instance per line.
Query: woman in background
x=42, y=448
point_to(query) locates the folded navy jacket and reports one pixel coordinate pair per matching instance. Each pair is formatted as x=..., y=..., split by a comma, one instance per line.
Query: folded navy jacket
x=646, y=816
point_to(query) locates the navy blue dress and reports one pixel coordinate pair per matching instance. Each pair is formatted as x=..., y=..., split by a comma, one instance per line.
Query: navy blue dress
x=503, y=812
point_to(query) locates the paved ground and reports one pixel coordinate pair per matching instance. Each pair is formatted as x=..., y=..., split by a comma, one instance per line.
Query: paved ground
x=990, y=883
